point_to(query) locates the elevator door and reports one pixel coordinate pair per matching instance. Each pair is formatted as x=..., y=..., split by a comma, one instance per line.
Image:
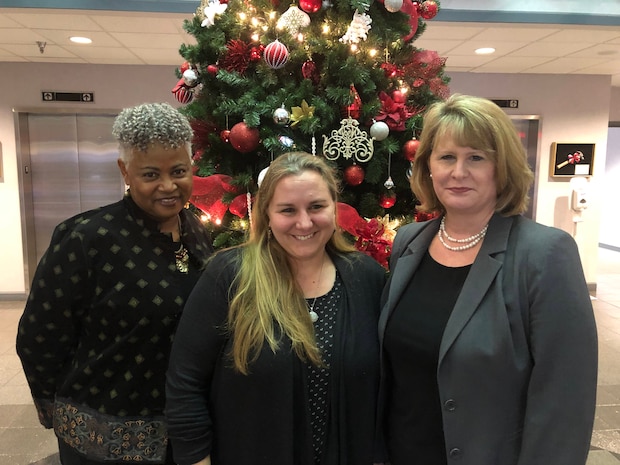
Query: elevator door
x=72, y=167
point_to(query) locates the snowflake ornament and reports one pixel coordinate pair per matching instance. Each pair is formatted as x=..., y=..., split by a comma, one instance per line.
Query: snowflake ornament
x=358, y=29
x=213, y=8
x=293, y=20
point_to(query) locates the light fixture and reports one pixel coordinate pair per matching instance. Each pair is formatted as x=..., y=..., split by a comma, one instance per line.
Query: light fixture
x=80, y=40
x=484, y=51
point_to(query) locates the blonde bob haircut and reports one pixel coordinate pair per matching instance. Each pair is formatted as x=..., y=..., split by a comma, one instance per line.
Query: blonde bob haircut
x=480, y=124
x=267, y=302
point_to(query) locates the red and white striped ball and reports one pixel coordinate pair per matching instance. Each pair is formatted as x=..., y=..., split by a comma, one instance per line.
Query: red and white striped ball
x=183, y=95
x=276, y=54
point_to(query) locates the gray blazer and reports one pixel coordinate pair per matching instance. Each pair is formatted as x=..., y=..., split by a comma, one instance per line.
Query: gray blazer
x=518, y=359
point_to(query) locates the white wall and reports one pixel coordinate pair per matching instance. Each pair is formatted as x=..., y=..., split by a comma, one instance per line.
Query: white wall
x=573, y=109
x=610, y=220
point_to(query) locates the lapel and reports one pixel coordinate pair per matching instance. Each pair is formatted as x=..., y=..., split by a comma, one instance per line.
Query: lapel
x=483, y=271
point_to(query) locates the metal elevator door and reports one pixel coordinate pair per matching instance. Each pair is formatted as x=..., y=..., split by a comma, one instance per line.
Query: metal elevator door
x=71, y=163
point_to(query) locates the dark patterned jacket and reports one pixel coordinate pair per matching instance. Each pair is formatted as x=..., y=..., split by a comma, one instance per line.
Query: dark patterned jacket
x=96, y=332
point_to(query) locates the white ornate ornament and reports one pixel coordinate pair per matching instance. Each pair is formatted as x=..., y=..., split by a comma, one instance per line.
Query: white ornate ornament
x=349, y=142
x=293, y=20
x=358, y=29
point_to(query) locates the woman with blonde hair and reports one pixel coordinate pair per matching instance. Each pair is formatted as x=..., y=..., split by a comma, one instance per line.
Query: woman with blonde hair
x=276, y=359
x=488, y=335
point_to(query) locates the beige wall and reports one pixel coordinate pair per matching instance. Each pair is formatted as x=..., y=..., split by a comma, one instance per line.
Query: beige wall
x=572, y=108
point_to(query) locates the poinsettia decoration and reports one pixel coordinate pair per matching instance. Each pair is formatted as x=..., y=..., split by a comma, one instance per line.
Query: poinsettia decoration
x=394, y=114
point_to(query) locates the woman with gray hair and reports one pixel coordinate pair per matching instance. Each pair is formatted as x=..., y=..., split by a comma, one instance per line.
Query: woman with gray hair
x=96, y=332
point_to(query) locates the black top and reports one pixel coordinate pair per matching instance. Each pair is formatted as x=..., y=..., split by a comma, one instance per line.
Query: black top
x=326, y=307
x=412, y=339
x=96, y=332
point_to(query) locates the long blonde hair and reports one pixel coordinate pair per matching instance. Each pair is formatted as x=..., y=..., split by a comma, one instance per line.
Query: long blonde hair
x=268, y=303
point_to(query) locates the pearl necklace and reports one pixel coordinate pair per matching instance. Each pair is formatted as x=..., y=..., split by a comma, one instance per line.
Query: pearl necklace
x=467, y=243
x=313, y=315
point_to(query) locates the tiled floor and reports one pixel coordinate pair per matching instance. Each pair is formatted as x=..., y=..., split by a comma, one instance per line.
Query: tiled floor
x=23, y=441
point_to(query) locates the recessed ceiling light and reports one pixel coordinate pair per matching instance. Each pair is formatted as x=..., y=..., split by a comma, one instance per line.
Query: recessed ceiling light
x=484, y=51
x=80, y=40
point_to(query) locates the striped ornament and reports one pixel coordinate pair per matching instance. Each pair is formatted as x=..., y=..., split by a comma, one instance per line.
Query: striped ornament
x=183, y=94
x=276, y=54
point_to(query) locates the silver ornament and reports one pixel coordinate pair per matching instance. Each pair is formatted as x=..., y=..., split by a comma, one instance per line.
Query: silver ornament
x=388, y=184
x=393, y=5
x=281, y=116
x=190, y=77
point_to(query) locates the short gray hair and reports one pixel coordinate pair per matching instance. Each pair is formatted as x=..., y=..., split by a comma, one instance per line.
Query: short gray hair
x=139, y=127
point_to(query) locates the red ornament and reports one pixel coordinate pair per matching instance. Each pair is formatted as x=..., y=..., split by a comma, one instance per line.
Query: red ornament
x=411, y=8
x=310, y=6
x=185, y=66
x=212, y=69
x=354, y=175
x=428, y=9
x=243, y=138
x=182, y=93
x=256, y=53
x=225, y=135
x=310, y=71
x=276, y=54
x=410, y=148
x=354, y=109
x=387, y=200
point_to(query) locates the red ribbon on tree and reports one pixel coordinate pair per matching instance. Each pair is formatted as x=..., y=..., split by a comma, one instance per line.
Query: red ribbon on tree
x=208, y=192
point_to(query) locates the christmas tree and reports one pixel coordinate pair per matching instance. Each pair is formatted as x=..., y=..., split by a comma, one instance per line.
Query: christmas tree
x=337, y=78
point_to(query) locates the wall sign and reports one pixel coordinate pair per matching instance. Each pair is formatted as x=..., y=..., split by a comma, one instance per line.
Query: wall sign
x=52, y=96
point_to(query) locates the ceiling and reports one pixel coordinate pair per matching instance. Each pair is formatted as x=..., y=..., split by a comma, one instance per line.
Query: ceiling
x=148, y=38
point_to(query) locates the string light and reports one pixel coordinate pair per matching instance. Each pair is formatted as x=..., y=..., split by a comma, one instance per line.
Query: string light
x=300, y=37
x=373, y=52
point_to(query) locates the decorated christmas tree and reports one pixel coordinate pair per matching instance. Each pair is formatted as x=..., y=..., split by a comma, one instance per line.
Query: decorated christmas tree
x=337, y=78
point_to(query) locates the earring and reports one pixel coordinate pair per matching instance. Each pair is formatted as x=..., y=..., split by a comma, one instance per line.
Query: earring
x=430, y=175
x=269, y=234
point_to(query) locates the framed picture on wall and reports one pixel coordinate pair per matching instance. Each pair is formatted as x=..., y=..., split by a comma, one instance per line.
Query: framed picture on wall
x=571, y=159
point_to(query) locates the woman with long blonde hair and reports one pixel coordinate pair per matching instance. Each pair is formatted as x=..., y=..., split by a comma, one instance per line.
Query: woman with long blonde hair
x=276, y=357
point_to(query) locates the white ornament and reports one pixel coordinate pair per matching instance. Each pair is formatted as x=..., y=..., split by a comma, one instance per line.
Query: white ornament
x=293, y=20
x=190, y=77
x=348, y=141
x=379, y=130
x=261, y=176
x=393, y=5
x=358, y=29
x=211, y=10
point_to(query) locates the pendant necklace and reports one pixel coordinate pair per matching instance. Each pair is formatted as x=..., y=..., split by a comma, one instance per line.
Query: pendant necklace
x=313, y=315
x=181, y=256
x=464, y=244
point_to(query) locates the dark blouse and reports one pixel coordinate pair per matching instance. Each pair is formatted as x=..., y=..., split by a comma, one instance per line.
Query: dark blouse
x=95, y=336
x=412, y=339
x=326, y=307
